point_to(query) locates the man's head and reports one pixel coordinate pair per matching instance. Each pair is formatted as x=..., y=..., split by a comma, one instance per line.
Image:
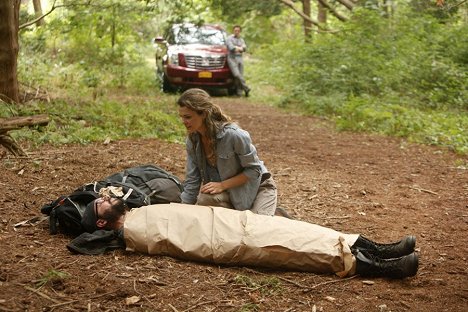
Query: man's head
x=104, y=213
x=237, y=30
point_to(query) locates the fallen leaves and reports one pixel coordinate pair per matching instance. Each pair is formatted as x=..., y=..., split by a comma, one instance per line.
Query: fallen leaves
x=133, y=300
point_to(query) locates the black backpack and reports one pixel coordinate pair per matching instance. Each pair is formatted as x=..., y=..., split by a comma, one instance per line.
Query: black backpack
x=141, y=186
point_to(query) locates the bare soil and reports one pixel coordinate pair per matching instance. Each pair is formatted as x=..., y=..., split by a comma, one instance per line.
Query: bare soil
x=377, y=186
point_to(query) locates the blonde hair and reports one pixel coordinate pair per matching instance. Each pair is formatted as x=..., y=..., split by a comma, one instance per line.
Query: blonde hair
x=200, y=101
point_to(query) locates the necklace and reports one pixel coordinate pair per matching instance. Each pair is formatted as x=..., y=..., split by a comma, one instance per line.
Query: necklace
x=209, y=152
x=211, y=157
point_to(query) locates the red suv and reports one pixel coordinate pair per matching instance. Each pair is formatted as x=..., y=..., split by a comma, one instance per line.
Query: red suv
x=193, y=56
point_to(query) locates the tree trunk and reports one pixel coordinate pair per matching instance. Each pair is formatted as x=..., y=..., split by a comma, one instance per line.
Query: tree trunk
x=307, y=24
x=322, y=13
x=9, y=18
x=38, y=12
x=388, y=8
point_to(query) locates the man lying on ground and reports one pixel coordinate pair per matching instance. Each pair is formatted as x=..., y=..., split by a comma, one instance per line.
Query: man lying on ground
x=231, y=237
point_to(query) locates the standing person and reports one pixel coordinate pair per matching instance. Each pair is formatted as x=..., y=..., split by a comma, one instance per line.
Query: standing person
x=223, y=168
x=236, y=46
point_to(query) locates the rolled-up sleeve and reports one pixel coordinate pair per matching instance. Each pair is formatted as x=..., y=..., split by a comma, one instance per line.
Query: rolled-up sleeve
x=247, y=154
x=243, y=45
x=237, y=154
x=193, y=179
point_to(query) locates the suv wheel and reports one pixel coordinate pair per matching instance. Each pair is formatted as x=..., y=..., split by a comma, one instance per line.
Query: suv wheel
x=232, y=91
x=167, y=87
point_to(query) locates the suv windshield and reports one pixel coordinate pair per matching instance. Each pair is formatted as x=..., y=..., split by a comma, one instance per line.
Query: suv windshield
x=193, y=34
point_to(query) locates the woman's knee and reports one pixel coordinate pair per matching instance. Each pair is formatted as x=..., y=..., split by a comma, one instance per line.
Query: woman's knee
x=267, y=198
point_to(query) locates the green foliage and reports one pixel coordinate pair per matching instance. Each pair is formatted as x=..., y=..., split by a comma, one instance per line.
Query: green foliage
x=404, y=76
x=187, y=11
x=434, y=127
x=52, y=277
x=97, y=45
x=375, y=56
x=235, y=10
x=447, y=10
x=95, y=65
x=266, y=286
x=7, y=110
x=275, y=65
x=250, y=307
x=257, y=19
x=104, y=119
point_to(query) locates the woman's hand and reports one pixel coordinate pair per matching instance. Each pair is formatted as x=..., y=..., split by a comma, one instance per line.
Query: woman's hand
x=212, y=188
x=219, y=187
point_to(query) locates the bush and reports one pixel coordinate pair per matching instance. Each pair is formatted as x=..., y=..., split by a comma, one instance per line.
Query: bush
x=85, y=122
x=404, y=76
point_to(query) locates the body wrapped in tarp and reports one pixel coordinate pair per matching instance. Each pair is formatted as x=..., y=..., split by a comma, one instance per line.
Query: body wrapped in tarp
x=224, y=236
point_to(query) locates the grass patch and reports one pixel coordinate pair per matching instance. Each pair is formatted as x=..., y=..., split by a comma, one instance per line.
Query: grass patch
x=433, y=127
x=106, y=118
x=383, y=116
x=260, y=80
x=266, y=286
x=406, y=78
x=52, y=277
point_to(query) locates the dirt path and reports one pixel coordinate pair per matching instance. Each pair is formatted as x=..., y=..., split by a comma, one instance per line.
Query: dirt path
x=381, y=187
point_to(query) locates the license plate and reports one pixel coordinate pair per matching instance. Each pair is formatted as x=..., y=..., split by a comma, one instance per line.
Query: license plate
x=205, y=74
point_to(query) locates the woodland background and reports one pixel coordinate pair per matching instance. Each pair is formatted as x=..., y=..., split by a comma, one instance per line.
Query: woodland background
x=346, y=98
x=392, y=67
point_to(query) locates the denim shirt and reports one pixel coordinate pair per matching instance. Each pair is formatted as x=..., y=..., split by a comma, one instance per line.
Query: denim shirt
x=235, y=154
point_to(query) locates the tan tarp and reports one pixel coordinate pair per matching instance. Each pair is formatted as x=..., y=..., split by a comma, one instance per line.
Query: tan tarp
x=225, y=236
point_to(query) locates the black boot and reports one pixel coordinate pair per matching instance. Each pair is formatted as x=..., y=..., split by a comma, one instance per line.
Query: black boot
x=369, y=265
x=386, y=251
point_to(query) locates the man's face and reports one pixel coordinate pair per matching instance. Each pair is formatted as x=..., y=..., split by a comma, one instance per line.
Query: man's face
x=106, y=214
x=103, y=205
x=237, y=31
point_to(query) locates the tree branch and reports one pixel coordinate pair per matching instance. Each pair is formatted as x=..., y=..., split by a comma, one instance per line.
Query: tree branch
x=347, y=3
x=333, y=11
x=456, y=4
x=27, y=24
x=10, y=144
x=54, y=6
x=290, y=4
x=12, y=123
x=7, y=124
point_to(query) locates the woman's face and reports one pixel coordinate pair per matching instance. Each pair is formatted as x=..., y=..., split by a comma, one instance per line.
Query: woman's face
x=192, y=121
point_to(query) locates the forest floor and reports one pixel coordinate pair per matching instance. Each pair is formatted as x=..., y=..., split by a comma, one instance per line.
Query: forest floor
x=383, y=188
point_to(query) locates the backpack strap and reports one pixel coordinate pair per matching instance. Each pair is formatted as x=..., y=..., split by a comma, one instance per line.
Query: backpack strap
x=134, y=197
x=127, y=195
x=53, y=221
